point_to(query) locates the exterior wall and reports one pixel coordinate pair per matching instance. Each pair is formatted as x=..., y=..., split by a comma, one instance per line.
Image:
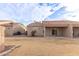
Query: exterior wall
x=60, y=31
x=64, y=28
x=69, y=31
x=39, y=31
x=10, y=30
x=76, y=31
x=17, y=27
x=2, y=29
x=48, y=31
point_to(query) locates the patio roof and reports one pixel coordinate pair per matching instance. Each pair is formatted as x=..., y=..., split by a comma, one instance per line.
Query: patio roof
x=60, y=23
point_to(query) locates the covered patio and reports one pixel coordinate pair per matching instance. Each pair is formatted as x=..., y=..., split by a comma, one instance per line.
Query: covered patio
x=58, y=29
x=55, y=31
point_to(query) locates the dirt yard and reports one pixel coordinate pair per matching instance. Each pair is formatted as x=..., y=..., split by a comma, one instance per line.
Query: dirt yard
x=32, y=46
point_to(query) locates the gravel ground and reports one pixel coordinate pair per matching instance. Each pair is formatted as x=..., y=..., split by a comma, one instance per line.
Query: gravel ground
x=38, y=46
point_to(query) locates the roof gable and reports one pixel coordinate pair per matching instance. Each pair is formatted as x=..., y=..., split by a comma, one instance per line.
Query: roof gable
x=35, y=24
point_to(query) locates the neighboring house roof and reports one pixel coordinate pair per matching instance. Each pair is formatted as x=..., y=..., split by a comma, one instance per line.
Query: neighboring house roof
x=35, y=24
x=10, y=23
x=6, y=22
x=21, y=25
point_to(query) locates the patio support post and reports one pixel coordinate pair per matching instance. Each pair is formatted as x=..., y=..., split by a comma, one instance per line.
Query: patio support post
x=70, y=31
x=44, y=31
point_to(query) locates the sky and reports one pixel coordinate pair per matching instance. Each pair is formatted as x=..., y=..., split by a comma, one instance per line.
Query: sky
x=26, y=13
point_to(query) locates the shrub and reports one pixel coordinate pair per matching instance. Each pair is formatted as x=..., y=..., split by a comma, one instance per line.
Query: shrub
x=33, y=33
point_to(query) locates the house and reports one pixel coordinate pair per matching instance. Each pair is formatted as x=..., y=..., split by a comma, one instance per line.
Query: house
x=36, y=26
x=59, y=28
x=8, y=28
x=13, y=28
x=2, y=47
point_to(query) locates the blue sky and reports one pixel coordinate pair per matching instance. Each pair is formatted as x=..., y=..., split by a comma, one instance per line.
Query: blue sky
x=26, y=13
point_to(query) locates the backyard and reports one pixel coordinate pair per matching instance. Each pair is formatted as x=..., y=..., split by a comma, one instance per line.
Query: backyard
x=39, y=46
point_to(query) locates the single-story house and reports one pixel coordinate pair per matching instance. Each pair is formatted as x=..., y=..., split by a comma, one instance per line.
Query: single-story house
x=59, y=28
x=8, y=28
x=13, y=28
x=2, y=29
x=36, y=26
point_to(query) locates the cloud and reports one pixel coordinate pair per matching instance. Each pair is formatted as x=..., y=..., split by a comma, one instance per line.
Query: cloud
x=18, y=11
x=74, y=16
x=4, y=15
x=42, y=12
x=72, y=8
x=28, y=12
x=39, y=14
x=70, y=4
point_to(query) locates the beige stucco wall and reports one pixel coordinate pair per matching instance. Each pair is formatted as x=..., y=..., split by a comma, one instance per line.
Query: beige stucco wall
x=76, y=31
x=18, y=27
x=13, y=29
x=8, y=31
x=60, y=31
x=64, y=28
x=69, y=31
x=2, y=29
x=39, y=31
x=48, y=31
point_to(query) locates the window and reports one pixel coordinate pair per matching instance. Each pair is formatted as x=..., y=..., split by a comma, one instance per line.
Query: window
x=54, y=32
